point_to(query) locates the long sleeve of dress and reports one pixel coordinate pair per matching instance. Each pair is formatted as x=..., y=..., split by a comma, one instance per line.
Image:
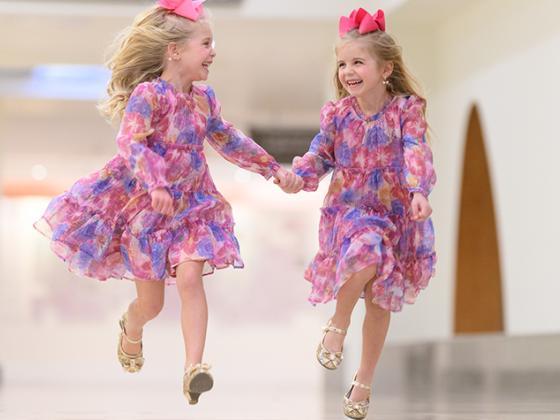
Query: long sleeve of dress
x=319, y=160
x=419, y=174
x=148, y=166
x=235, y=146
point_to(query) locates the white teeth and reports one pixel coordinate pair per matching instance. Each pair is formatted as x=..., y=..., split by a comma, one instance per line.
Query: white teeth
x=353, y=82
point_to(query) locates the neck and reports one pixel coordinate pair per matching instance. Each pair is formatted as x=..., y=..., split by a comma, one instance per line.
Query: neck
x=372, y=102
x=180, y=82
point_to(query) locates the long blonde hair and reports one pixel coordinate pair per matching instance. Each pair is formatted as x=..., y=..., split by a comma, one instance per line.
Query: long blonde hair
x=138, y=55
x=383, y=47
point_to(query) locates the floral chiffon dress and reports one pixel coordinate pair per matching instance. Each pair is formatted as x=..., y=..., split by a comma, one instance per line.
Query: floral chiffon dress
x=377, y=161
x=104, y=226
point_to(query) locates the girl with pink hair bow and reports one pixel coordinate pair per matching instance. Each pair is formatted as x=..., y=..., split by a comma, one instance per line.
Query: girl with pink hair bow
x=376, y=239
x=152, y=214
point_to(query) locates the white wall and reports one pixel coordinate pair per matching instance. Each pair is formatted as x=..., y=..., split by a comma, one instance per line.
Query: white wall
x=503, y=56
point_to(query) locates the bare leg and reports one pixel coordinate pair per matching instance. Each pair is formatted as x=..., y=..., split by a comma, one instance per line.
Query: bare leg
x=146, y=306
x=374, y=331
x=194, y=310
x=346, y=299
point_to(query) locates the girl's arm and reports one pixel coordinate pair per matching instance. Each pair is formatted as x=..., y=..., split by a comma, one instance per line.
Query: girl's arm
x=419, y=172
x=148, y=167
x=319, y=160
x=235, y=146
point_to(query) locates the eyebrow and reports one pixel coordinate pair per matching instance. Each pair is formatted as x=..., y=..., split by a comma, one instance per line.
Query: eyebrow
x=355, y=58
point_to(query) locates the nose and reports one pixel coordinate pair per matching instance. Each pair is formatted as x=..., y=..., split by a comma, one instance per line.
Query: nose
x=346, y=72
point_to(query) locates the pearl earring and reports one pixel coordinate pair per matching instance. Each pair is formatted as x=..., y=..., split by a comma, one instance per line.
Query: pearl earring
x=385, y=82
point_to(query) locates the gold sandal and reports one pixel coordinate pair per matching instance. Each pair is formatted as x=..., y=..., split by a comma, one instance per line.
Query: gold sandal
x=356, y=409
x=330, y=359
x=131, y=363
x=197, y=379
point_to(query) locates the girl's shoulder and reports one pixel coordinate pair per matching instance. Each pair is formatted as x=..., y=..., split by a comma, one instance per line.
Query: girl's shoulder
x=408, y=103
x=336, y=109
x=203, y=89
x=338, y=106
x=205, y=97
x=154, y=92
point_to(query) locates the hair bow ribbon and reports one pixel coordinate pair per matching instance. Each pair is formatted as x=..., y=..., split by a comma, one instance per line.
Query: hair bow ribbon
x=190, y=9
x=361, y=20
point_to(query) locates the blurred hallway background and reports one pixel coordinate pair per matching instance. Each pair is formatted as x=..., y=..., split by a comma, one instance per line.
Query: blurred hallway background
x=483, y=340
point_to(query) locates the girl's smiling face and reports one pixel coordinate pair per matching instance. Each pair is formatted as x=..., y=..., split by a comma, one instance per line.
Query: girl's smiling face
x=359, y=72
x=196, y=54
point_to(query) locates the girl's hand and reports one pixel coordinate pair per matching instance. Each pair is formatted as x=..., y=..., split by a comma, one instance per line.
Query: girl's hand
x=288, y=181
x=162, y=201
x=421, y=208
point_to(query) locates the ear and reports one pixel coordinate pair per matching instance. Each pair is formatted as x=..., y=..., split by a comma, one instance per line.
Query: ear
x=172, y=51
x=388, y=69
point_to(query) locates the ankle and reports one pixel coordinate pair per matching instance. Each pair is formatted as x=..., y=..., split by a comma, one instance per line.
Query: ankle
x=364, y=377
x=133, y=329
x=189, y=364
x=340, y=322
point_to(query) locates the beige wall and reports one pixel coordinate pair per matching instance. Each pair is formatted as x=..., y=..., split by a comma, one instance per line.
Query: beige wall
x=503, y=56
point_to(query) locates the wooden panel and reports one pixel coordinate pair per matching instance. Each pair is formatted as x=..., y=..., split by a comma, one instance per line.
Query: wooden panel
x=478, y=293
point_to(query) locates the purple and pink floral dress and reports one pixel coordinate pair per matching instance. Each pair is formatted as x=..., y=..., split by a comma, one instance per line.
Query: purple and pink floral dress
x=104, y=226
x=377, y=162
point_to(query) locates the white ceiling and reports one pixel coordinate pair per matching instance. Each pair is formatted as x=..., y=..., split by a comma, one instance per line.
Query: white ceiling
x=285, y=9
x=273, y=68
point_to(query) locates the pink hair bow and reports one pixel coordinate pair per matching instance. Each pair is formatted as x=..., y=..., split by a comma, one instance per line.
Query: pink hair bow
x=190, y=9
x=361, y=20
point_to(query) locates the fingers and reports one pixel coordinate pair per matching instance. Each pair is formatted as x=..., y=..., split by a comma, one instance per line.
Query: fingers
x=421, y=211
x=296, y=184
x=162, y=203
x=299, y=183
x=290, y=181
x=426, y=212
x=293, y=183
x=168, y=207
x=142, y=136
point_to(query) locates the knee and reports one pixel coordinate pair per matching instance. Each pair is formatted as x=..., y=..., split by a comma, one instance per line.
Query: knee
x=151, y=306
x=375, y=311
x=188, y=282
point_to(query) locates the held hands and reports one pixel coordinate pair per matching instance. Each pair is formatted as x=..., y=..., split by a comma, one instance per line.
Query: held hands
x=162, y=201
x=288, y=181
x=420, y=207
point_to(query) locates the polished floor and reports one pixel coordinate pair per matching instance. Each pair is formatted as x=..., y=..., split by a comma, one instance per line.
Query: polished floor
x=68, y=371
x=58, y=340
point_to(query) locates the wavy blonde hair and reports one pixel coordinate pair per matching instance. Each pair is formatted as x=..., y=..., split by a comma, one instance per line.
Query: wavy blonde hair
x=138, y=55
x=384, y=49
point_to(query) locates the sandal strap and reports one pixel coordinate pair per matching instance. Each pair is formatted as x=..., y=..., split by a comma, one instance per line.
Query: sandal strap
x=124, y=320
x=204, y=367
x=360, y=385
x=331, y=328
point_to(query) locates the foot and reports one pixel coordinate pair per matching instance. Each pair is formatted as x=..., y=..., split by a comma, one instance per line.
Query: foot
x=333, y=341
x=358, y=393
x=197, y=380
x=133, y=345
x=130, y=357
x=357, y=409
x=329, y=352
